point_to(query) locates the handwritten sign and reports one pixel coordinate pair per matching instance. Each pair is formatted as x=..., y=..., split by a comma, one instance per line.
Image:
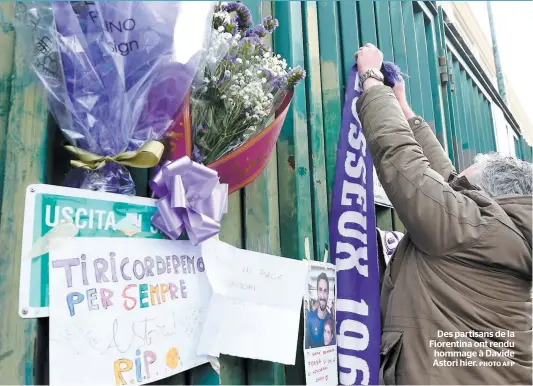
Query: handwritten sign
x=95, y=214
x=125, y=311
x=255, y=308
x=320, y=343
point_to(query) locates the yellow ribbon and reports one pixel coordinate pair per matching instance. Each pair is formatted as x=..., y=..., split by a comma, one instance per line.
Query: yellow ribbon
x=147, y=156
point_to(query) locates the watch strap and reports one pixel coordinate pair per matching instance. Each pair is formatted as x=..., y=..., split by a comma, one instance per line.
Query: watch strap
x=372, y=73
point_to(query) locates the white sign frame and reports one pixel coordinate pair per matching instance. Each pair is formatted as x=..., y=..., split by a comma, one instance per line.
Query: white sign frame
x=25, y=282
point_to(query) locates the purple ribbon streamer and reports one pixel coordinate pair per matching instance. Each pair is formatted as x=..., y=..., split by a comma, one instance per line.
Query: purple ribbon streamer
x=353, y=242
x=191, y=199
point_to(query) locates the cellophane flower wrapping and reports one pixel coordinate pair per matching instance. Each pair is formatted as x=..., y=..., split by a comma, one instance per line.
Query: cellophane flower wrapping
x=115, y=73
x=240, y=87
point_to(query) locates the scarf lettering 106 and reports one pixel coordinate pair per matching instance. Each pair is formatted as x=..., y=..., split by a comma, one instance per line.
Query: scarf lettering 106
x=354, y=243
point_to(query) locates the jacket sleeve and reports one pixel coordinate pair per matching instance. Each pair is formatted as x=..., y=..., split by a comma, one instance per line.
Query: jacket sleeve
x=438, y=218
x=437, y=157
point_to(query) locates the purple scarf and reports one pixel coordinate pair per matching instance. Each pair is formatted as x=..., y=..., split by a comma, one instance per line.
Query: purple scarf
x=354, y=246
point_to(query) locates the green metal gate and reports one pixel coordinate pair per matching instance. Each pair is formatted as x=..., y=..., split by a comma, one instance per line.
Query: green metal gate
x=284, y=212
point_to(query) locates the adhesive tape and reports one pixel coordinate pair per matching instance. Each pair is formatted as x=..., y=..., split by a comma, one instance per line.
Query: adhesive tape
x=62, y=232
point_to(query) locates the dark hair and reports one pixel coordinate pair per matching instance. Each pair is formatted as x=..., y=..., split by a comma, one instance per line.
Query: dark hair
x=322, y=276
x=331, y=323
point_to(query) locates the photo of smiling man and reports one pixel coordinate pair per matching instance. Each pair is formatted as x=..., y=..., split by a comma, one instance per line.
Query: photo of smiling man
x=322, y=293
x=320, y=340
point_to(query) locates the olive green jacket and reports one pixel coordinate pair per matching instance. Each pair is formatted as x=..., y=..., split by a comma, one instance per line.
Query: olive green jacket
x=463, y=267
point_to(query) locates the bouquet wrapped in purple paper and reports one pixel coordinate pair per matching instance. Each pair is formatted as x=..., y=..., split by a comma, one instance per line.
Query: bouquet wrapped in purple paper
x=115, y=74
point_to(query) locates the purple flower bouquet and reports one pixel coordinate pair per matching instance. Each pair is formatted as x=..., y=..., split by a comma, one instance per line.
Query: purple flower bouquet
x=115, y=74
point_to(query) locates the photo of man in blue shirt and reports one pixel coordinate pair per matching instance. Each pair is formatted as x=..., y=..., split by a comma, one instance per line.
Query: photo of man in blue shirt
x=316, y=319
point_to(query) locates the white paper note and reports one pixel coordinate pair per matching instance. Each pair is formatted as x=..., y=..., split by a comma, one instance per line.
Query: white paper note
x=125, y=311
x=256, y=303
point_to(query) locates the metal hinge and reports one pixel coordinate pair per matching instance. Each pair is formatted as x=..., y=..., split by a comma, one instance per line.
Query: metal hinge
x=443, y=70
x=452, y=82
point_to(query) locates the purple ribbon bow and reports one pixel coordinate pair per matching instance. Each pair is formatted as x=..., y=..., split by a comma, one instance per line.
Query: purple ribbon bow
x=191, y=199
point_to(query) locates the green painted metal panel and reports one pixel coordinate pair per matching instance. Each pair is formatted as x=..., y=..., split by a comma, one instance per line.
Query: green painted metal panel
x=473, y=133
x=26, y=150
x=332, y=81
x=517, y=148
x=490, y=123
x=479, y=130
x=7, y=44
x=449, y=113
x=415, y=85
x=482, y=125
x=350, y=42
x=485, y=106
x=455, y=121
x=484, y=122
x=398, y=42
x=523, y=149
x=487, y=121
x=440, y=100
x=296, y=231
x=397, y=223
x=424, y=66
x=466, y=124
x=384, y=218
x=473, y=136
x=367, y=22
x=316, y=129
x=461, y=133
x=479, y=120
x=261, y=228
x=474, y=112
x=383, y=25
x=527, y=151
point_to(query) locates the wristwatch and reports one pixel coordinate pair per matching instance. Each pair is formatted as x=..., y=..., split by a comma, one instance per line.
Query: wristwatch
x=372, y=73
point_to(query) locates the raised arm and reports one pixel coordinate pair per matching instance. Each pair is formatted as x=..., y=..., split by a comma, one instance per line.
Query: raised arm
x=437, y=157
x=438, y=218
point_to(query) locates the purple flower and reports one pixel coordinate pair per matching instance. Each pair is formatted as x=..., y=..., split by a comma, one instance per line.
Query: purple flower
x=262, y=30
x=258, y=31
x=249, y=45
x=202, y=130
x=231, y=7
x=244, y=17
x=270, y=24
x=279, y=83
x=263, y=48
x=197, y=155
x=230, y=59
x=295, y=76
x=267, y=74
